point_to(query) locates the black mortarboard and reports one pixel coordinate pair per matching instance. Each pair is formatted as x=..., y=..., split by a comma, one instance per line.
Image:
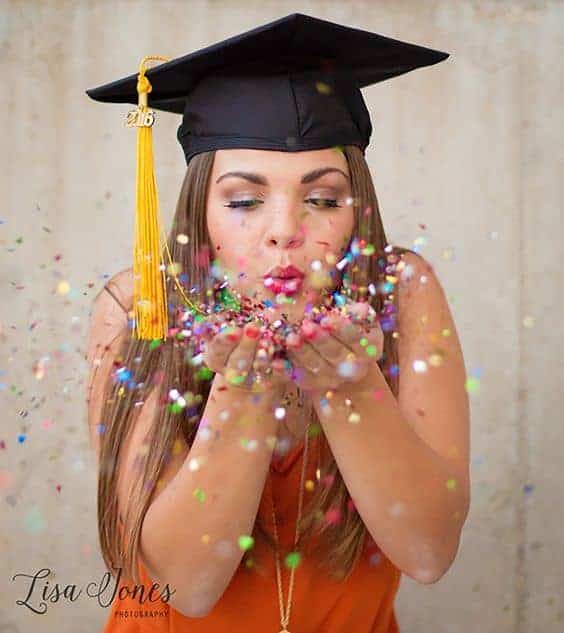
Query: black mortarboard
x=289, y=85
x=292, y=84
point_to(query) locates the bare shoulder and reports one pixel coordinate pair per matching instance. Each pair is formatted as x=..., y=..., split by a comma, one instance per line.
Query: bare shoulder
x=414, y=271
x=420, y=293
x=122, y=284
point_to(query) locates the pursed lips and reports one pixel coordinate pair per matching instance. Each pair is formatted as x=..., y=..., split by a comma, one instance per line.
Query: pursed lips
x=284, y=279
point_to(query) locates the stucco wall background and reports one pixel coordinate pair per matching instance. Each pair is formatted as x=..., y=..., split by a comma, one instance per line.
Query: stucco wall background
x=467, y=160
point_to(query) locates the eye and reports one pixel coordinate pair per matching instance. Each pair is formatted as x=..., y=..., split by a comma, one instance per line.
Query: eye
x=236, y=204
x=317, y=202
x=329, y=202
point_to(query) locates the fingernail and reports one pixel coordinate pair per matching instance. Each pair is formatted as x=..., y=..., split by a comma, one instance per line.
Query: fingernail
x=233, y=335
x=252, y=331
x=309, y=330
x=294, y=340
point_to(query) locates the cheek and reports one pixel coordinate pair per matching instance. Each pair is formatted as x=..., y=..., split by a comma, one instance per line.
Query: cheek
x=337, y=231
x=232, y=237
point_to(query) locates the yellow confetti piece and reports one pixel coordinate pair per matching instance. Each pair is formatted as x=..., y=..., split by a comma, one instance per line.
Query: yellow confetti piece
x=63, y=288
x=529, y=321
x=452, y=451
x=174, y=269
x=205, y=539
x=435, y=359
x=323, y=88
x=354, y=418
x=271, y=441
x=177, y=447
x=451, y=484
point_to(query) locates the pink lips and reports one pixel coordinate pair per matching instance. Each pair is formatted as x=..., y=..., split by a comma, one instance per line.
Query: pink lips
x=288, y=280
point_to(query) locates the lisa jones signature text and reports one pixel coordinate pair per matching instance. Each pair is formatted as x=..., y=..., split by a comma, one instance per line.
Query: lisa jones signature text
x=40, y=591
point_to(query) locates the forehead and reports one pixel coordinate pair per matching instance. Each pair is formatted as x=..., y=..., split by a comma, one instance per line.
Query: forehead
x=289, y=165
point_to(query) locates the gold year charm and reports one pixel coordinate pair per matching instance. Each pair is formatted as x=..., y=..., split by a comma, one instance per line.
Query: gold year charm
x=140, y=118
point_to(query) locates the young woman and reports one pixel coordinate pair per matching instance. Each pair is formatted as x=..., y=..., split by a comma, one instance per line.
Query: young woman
x=203, y=498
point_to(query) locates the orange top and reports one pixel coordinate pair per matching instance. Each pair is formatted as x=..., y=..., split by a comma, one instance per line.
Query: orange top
x=363, y=603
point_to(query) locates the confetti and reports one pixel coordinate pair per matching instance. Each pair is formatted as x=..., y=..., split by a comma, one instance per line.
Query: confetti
x=34, y=521
x=246, y=542
x=292, y=560
x=200, y=495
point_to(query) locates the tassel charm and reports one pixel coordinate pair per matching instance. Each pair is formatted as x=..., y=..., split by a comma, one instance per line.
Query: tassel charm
x=149, y=275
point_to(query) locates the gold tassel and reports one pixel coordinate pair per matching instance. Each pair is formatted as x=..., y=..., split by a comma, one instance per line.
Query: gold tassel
x=149, y=273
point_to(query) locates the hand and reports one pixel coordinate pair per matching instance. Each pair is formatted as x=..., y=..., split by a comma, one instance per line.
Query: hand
x=336, y=351
x=245, y=358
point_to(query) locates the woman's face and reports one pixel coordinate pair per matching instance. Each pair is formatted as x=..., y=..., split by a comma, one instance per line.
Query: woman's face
x=268, y=209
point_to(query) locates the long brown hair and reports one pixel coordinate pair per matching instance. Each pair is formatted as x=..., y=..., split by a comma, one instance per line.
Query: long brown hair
x=150, y=366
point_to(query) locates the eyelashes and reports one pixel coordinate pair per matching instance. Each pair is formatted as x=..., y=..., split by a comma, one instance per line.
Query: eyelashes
x=248, y=204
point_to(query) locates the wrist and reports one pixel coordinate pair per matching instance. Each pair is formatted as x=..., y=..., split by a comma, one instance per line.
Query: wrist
x=265, y=395
x=365, y=385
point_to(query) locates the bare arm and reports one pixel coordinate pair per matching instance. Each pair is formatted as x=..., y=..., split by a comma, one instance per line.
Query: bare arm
x=233, y=480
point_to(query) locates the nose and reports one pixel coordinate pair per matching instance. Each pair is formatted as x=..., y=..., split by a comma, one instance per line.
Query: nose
x=285, y=231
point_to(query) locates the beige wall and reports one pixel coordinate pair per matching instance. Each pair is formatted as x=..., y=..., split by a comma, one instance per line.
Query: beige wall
x=471, y=148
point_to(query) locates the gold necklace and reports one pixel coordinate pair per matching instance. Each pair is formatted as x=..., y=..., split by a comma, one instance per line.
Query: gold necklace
x=285, y=617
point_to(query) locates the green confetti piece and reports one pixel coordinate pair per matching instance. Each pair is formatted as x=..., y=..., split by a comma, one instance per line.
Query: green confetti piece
x=175, y=407
x=363, y=341
x=371, y=350
x=204, y=373
x=314, y=430
x=237, y=380
x=472, y=385
x=200, y=495
x=246, y=542
x=451, y=484
x=34, y=522
x=292, y=560
x=228, y=299
x=156, y=342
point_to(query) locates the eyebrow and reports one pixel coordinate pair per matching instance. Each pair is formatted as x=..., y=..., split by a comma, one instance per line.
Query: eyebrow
x=258, y=179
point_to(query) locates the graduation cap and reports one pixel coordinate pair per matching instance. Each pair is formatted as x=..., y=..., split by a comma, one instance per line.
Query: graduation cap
x=289, y=85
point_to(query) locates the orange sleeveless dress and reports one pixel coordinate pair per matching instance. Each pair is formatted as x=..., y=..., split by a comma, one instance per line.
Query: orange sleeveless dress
x=363, y=603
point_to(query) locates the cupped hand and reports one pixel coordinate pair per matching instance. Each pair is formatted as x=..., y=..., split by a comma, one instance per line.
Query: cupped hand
x=335, y=351
x=245, y=358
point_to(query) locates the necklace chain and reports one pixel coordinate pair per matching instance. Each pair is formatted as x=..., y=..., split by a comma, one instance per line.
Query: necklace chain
x=285, y=617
